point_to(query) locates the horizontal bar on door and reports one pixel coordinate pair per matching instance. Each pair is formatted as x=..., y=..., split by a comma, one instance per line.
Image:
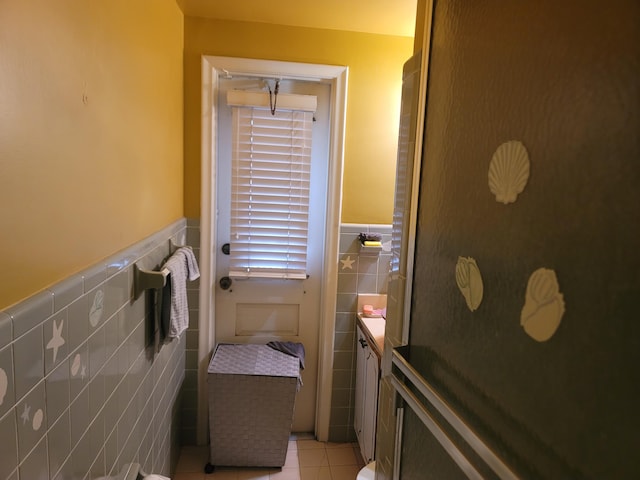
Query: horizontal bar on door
x=428, y=391
x=435, y=429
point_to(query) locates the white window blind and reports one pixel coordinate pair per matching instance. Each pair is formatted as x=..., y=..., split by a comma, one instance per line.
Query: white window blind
x=271, y=171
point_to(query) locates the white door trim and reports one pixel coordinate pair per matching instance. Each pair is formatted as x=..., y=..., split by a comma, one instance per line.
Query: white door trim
x=337, y=76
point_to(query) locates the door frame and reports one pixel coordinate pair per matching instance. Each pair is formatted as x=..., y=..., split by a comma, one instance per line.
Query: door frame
x=337, y=76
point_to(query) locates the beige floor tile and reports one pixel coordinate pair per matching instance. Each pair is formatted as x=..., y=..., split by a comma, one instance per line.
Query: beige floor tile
x=192, y=459
x=341, y=456
x=222, y=473
x=189, y=476
x=356, y=452
x=291, y=460
x=329, y=445
x=314, y=457
x=286, y=473
x=253, y=474
x=344, y=472
x=306, y=444
x=315, y=473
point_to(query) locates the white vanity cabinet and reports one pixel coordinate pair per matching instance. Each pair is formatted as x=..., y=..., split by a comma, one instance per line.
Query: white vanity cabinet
x=366, y=401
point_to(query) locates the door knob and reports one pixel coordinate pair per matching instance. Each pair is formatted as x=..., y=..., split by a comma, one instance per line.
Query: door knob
x=225, y=283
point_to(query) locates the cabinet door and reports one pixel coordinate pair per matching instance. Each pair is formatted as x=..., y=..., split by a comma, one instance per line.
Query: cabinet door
x=370, y=413
x=361, y=371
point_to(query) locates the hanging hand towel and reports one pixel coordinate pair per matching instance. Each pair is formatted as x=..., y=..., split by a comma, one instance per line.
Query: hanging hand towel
x=295, y=349
x=182, y=266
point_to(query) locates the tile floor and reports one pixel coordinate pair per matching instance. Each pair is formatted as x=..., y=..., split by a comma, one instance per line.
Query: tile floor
x=307, y=459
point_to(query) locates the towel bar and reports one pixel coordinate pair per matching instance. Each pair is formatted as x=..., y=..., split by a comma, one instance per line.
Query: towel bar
x=146, y=279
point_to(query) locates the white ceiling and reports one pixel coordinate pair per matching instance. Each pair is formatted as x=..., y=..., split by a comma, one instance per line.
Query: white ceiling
x=386, y=17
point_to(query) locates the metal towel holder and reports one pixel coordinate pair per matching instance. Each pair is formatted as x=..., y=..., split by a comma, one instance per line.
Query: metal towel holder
x=146, y=279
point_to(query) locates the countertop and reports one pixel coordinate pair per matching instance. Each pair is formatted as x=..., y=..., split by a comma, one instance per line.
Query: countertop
x=373, y=328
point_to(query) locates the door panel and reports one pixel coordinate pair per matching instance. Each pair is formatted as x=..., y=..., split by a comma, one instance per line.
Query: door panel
x=260, y=310
x=564, y=407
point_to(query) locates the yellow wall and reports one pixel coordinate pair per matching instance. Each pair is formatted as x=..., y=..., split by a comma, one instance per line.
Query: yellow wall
x=91, y=133
x=375, y=78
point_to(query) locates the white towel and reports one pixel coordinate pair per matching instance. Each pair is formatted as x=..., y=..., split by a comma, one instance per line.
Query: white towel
x=182, y=266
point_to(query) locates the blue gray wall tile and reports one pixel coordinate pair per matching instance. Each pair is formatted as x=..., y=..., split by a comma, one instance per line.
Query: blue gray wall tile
x=94, y=276
x=78, y=322
x=36, y=466
x=31, y=312
x=31, y=421
x=59, y=442
x=66, y=292
x=7, y=396
x=57, y=391
x=368, y=283
x=9, y=450
x=28, y=356
x=6, y=331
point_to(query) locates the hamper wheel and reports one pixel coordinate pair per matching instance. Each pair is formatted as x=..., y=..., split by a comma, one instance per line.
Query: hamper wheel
x=208, y=468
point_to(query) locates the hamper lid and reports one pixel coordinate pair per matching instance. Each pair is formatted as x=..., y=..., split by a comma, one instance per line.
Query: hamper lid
x=250, y=359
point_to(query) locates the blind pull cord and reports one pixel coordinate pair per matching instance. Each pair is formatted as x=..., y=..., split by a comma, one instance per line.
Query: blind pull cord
x=273, y=100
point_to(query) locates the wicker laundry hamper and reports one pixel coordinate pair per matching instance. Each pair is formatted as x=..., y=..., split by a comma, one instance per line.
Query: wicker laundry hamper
x=252, y=391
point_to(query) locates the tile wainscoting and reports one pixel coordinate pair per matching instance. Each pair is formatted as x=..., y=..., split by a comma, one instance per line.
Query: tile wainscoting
x=358, y=272
x=83, y=392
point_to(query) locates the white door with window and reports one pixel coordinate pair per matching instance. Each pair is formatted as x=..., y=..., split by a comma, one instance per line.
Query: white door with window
x=271, y=218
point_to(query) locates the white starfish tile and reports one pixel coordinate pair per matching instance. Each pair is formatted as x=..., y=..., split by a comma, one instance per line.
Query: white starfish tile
x=347, y=263
x=26, y=414
x=56, y=340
